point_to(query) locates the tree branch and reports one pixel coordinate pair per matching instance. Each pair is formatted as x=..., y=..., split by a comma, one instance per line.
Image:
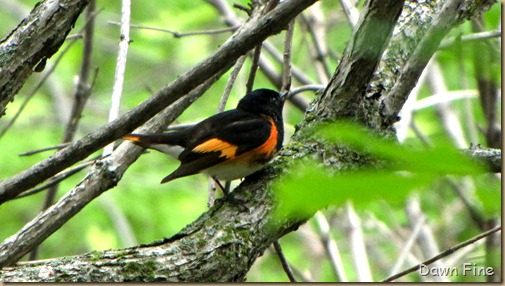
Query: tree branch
x=443, y=254
x=216, y=247
x=242, y=41
x=104, y=175
x=49, y=22
x=451, y=14
x=489, y=156
x=360, y=60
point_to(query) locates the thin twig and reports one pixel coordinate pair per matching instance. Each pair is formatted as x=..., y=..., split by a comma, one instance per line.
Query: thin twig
x=485, y=54
x=257, y=50
x=271, y=73
x=392, y=235
x=243, y=8
x=312, y=87
x=286, y=63
x=463, y=254
x=37, y=87
x=119, y=220
x=58, y=178
x=102, y=176
x=296, y=72
x=117, y=89
x=475, y=214
x=443, y=254
x=72, y=37
x=408, y=245
x=55, y=147
x=445, y=110
x=267, y=68
x=425, y=239
x=419, y=134
x=286, y=84
x=469, y=38
x=181, y=34
x=230, y=83
x=319, y=50
x=357, y=242
x=407, y=112
x=284, y=262
x=83, y=90
x=330, y=247
x=440, y=98
x=463, y=79
x=254, y=68
x=351, y=12
x=81, y=96
x=45, y=77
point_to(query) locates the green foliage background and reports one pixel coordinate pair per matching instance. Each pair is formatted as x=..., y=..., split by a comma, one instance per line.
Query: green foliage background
x=154, y=211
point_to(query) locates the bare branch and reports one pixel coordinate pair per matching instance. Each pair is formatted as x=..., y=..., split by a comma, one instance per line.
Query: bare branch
x=317, y=31
x=425, y=239
x=104, y=175
x=443, y=254
x=266, y=66
x=81, y=96
x=256, y=31
x=445, y=111
x=357, y=242
x=491, y=157
x=181, y=34
x=408, y=245
x=35, y=89
x=49, y=22
x=284, y=262
x=117, y=89
x=286, y=63
x=331, y=248
x=451, y=14
x=361, y=57
x=55, y=147
x=351, y=12
x=469, y=38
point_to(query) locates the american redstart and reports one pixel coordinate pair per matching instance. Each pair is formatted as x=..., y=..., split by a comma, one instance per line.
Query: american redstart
x=229, y=145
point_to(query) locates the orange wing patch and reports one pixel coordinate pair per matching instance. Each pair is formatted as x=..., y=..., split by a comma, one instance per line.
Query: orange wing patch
x=132, y=137
x=214, y=145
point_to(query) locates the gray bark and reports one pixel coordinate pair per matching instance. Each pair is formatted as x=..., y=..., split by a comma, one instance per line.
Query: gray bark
x=32, y=42
x=252, y=33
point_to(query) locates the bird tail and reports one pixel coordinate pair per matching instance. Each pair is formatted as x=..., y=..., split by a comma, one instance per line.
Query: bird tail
x=172, y=143
x=170, y=138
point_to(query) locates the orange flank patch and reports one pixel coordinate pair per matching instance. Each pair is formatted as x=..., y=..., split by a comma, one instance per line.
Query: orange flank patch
x=268, y=147
x=214, y=145
x=131, y=137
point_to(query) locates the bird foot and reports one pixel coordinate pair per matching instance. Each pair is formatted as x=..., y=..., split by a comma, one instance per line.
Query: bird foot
x=239, y=203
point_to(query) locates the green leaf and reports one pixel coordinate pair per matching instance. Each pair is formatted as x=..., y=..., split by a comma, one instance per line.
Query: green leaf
x=442, y=159
x=488, y=192
x=309, y=187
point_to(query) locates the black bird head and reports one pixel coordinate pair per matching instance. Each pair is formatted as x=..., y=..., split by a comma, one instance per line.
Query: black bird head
x=263, y=101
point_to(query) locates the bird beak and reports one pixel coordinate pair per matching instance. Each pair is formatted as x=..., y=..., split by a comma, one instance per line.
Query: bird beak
x=284, y=96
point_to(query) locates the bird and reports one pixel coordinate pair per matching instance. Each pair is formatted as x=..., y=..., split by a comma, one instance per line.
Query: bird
x=228, y=145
